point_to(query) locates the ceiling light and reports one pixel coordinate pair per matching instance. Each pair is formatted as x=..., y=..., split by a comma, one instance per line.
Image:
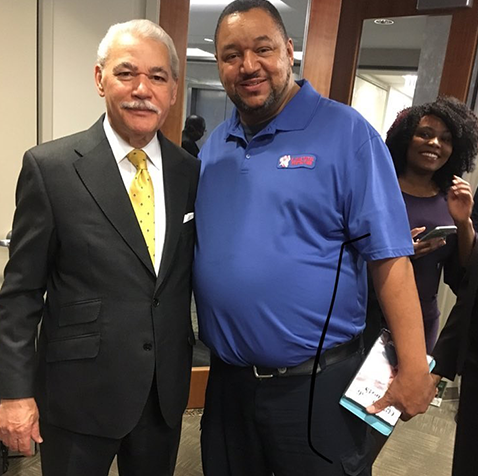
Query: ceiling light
x=198, y=53
x=298, y=55
x=383, y=21
x=209, y=40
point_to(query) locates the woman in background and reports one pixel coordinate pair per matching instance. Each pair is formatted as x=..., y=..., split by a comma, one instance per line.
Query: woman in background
x=432, y=145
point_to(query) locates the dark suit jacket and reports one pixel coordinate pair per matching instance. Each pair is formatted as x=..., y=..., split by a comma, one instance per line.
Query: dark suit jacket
x=451, y=350
x=188, y=144
x=108, y=324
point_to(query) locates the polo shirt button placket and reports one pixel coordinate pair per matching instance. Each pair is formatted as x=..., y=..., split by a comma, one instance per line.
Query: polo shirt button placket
x=246, y=163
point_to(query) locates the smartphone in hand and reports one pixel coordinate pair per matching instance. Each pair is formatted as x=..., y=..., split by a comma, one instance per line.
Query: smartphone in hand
x=439, y=232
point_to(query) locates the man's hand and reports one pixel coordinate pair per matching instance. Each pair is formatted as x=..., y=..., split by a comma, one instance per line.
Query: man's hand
x=19, y=424
x=413, y=388
x=436, y=379
x=410, y=392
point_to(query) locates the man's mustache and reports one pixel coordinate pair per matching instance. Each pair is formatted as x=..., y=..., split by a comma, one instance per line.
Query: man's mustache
x=247, y=77
x=141, y=106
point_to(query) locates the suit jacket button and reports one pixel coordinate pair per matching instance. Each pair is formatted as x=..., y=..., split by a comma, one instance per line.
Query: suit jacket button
x=148, y=346
x=155, y=302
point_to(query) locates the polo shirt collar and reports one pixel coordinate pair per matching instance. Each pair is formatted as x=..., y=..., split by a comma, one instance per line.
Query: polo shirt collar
x=295, y=115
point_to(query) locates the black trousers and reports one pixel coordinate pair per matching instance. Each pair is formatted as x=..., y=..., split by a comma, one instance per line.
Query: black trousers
x=150, y=449
x=465, y=456
x=258, y=427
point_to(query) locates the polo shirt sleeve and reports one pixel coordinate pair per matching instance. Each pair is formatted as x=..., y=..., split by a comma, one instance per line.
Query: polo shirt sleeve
x=374, y=203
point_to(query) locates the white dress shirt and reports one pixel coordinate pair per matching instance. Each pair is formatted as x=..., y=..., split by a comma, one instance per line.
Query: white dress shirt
x=127, y=170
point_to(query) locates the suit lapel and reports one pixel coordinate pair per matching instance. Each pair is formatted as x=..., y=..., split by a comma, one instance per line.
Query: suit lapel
x=176, y=185
x=99, y=172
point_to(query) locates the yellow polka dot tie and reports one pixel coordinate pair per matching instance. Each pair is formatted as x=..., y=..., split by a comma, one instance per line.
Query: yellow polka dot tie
x=141, y=193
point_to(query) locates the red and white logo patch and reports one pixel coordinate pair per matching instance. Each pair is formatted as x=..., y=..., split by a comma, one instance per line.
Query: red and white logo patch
x=297, y=161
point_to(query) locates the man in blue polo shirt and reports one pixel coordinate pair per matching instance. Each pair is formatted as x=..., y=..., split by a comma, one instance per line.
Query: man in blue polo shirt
x=285, y=181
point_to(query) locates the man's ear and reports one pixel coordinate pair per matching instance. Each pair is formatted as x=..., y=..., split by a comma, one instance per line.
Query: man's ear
x=174, y=93
x=290, y=51
x=99, y=79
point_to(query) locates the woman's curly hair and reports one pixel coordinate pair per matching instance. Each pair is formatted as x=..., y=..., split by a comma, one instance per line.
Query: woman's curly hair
x=463, y=126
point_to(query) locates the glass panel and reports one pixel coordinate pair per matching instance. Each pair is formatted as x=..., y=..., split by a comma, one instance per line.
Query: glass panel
x=400, y=64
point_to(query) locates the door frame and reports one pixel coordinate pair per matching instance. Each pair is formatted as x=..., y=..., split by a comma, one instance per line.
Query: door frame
x=460, y=53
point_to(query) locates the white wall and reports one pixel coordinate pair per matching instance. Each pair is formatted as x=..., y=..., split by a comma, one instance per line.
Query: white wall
x=18, y=28
x=370, y=100
x=70, y=31
x=397, y=101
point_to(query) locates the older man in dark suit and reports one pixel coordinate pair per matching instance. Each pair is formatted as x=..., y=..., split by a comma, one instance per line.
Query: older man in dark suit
x=101, y=256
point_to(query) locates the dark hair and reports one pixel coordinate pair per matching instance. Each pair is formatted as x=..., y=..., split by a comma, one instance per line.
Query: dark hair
x=245, y=6
x=195, y=125
x=463, y=126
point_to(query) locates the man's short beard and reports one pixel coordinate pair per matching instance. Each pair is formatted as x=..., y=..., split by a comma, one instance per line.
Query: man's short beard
x=268, y=105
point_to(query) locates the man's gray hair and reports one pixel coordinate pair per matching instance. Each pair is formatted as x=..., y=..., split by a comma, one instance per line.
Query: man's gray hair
x=143, y=29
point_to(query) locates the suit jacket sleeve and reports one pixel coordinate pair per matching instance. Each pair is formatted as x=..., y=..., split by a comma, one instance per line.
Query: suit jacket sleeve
x=453, y=272
x=22, y=293
x=451, y=348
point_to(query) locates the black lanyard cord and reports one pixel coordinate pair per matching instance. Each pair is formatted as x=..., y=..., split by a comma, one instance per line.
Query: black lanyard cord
x=321, y=344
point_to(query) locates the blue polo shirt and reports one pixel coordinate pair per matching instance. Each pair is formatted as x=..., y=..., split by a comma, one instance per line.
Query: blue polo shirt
x=271, y=216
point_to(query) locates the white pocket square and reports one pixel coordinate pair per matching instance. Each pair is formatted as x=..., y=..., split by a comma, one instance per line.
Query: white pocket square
x=188, y=217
